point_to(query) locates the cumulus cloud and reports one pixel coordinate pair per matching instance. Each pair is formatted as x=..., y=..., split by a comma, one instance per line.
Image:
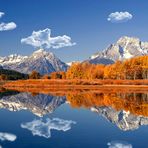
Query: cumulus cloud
x=7, y=137
x=7, y=26
x=2, y=14
x=42, y=38
x=43, y=129
x=119, y=144
x=118, y=17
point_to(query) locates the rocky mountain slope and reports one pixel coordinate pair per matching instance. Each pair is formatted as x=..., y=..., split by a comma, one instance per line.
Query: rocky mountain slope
x=42, y=61
x=124, y=48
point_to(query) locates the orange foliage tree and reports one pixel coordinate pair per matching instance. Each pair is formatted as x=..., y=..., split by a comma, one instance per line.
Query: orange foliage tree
x=34, y=75
x=58, y=75
x=135, y=68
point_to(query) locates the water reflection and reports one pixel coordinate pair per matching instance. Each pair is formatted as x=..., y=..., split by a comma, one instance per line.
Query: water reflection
x=136, y=104
x=38, y=104
x=122, y=119
x=43, y=128
x=7, y=137
x=119, y=144
x=128, y=111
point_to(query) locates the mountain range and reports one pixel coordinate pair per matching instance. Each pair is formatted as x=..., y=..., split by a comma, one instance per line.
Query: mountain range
x=46, y=62
x=124, y=48
x=42, y=61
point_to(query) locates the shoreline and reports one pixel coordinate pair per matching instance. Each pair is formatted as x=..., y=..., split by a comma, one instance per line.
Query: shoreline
x=71, y=86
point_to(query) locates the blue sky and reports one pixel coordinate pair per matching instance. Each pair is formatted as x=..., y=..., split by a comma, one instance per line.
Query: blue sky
x=84, y=21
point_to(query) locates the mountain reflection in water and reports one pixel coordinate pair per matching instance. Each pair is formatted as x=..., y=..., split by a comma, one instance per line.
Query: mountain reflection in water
x=128, y=111
x=39, y=104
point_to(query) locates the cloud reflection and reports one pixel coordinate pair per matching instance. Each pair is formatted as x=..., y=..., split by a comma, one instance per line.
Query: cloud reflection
x=7, y=136
x=119, y=144
x=43, y=129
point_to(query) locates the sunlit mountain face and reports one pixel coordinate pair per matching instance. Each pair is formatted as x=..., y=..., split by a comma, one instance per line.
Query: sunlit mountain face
x=125, y=48
x=40, y=60
x=128, y=111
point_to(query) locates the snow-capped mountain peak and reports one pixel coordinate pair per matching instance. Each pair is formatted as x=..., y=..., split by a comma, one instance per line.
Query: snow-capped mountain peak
x=40, y=60
x=41, y=53
x=125, y=48
x=12, y=59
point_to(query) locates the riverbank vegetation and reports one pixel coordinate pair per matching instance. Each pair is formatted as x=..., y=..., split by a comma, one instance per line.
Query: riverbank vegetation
x=132, y=69
x=6, y=74
x=130, y=72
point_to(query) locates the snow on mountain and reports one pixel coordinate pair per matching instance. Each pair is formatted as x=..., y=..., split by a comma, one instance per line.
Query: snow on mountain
x=42, y=61
x=124, y=48
x=12, y=59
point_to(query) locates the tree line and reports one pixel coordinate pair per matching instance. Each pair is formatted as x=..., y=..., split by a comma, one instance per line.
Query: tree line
x=6, y=74
x=132, y=69
x=135, y=68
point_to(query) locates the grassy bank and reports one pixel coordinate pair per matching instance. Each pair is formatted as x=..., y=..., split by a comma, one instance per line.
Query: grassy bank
x=51, y=82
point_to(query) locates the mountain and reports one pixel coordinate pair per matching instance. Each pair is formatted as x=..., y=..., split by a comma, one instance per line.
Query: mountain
x=42, y=61
x=124, y=48
x=124, y=120
x=39, y=104
x=12, y=59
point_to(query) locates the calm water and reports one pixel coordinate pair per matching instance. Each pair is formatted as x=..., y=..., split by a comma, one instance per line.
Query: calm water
x=88, y=120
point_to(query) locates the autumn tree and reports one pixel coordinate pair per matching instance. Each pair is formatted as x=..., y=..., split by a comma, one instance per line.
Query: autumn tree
x=63, y=74
x=55, y=75
x=145, y=72
x=46, y=76
x=3, y=77
x=135, y=68
x=34, y=75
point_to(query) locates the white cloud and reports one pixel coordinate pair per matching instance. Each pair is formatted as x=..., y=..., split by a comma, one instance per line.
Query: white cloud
x=1, y=14
x=43, y=129
x=42, y=38
x=0, y=146
x=118, y=17
x=7, y=136
x=7, y=26
x=119, y=144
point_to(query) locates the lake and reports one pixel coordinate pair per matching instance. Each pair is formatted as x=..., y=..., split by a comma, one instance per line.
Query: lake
x=78, y=119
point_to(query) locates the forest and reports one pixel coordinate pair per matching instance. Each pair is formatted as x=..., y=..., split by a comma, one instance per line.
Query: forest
x=135, y=68
x=132, y=69
x=6, y=74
